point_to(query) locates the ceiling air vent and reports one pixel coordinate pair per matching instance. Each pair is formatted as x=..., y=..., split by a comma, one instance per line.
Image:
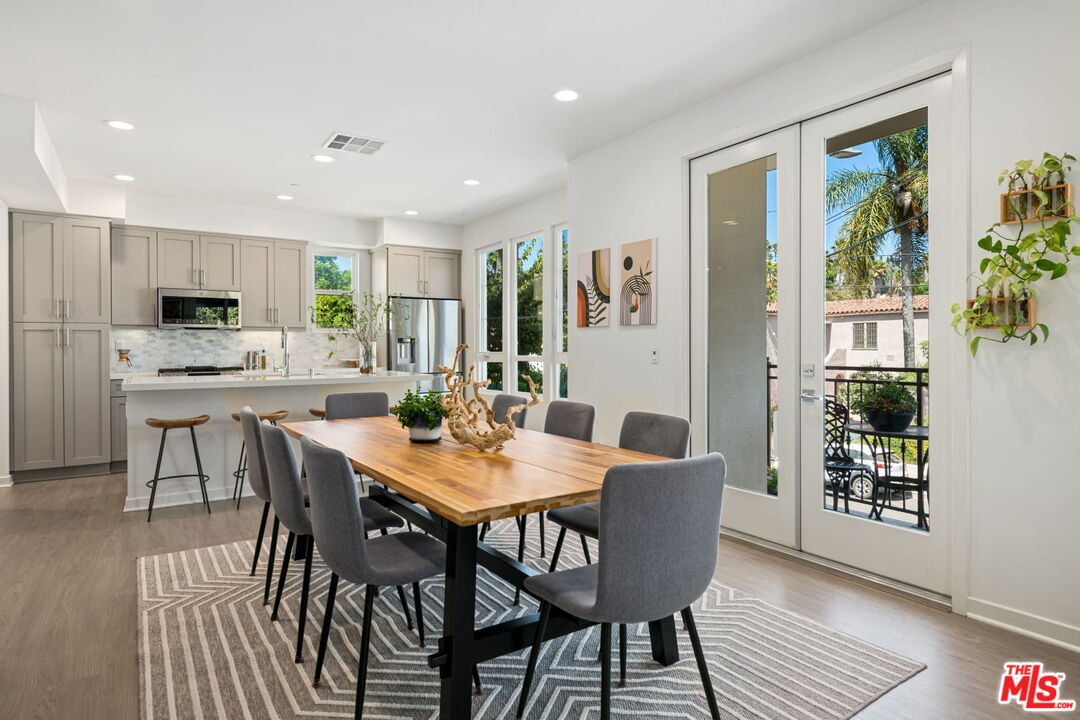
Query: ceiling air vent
x=353, y=144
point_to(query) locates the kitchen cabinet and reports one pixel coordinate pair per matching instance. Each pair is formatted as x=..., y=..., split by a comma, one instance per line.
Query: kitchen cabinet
x=420, y=272
x=273, y=283
x=60, y=395
x=60, y=269
x=198, y=262
x=134, y=276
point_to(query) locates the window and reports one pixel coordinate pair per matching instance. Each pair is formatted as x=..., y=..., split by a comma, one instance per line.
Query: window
x=334, y=281
x=864, y=336
x=516, y=337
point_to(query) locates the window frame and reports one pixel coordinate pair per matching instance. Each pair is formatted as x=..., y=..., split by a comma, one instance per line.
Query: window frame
x=313, y=293
x=483, y=355
x=560, y=356
x=865, y=326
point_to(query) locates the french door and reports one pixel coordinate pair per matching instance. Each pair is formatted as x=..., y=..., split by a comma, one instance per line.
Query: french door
x=811, y=293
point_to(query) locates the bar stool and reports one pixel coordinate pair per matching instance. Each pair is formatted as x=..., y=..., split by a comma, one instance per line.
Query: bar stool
x=241, y=464
x=166, y=426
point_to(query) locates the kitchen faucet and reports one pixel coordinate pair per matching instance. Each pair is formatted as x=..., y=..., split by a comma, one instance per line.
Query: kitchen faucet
x=284, y=351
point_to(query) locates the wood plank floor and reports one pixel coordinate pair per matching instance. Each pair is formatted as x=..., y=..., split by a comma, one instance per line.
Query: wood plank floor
x=68, y=623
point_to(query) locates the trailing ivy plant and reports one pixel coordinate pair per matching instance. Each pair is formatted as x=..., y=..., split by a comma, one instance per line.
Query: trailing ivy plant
x=1015, y=263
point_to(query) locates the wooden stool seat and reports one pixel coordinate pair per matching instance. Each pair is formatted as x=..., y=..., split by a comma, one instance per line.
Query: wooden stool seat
x=317, y=412
x=177, y=423
x=271, y=416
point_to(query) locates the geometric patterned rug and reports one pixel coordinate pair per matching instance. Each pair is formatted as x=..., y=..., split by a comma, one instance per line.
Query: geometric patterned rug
x=207, y=649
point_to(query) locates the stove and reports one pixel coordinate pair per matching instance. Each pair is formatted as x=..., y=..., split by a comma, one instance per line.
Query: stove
x=200, y=370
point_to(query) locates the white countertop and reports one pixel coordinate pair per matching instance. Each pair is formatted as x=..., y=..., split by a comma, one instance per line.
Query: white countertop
x=138, y=382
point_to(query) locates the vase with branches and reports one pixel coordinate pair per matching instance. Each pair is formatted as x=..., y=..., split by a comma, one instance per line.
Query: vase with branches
x=363, y=318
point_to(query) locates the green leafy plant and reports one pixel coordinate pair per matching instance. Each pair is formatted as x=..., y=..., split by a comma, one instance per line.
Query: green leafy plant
x=1004, y=296
x=890, y=398
x=362, y=318
x=420, y=407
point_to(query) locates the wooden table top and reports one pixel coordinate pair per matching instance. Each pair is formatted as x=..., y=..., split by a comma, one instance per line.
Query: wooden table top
x=535, y=472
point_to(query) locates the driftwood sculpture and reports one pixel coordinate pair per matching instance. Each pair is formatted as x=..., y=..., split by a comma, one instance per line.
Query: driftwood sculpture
x=471, y=420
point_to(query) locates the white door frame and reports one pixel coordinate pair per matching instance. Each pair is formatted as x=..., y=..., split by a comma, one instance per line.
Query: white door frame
x=910, y=556
x=771, y=517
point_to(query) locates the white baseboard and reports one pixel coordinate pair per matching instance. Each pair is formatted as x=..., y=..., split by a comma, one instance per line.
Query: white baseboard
x=1050, y=631
x=183, y=497
x=6, y=481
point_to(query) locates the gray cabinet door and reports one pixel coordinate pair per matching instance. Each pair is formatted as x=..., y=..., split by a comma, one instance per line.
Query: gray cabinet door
x=219, y=262
x=405, y=272
x=86, y=394
x=87, y=289
x=257, y=283
x=290, y=283
x=118, y=427
x=37, y=382
x=178, y=260
x=442, y=275
x=37, y=279
x=134, y=276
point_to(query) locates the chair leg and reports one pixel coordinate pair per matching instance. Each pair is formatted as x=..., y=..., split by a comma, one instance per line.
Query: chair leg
x=284, y=573
x=198, y=468
x=239, y=474
x=157, y=474
x=258, y=543
x=558, y=550
x=522, y=522
x=302, y=620
x=703, y=668
x=530, y=669
x=404, y=606
x=365, y=644
x=476, y=679
x=605, y=671
x=585, y=547
x=419, y=612
x=324, y=638
x=270, y=560
x=622, y=655
x=543, y=540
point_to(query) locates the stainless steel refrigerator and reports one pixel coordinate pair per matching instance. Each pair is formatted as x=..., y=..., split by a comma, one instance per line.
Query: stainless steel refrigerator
x=423, y=334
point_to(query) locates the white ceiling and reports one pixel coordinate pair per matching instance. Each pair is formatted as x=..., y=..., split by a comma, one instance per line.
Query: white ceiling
x=231, y=97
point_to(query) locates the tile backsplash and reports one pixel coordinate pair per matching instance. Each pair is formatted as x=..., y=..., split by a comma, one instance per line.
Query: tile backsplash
x=153, y=348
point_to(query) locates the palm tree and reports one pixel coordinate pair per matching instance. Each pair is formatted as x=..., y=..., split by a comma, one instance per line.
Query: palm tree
x=878, y=202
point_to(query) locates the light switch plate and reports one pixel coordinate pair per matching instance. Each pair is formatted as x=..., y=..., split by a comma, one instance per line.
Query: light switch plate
x=654, y=356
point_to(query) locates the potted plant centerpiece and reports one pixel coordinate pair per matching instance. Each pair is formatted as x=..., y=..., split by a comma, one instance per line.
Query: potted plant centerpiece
x=889, y=406
x=422, y=414
x=363, y=318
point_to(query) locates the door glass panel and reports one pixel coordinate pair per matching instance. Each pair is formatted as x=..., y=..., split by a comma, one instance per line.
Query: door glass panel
x=742, y=338
x=877, y=355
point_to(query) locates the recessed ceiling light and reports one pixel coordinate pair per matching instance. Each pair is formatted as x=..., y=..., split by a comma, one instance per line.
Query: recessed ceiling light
x=322, y=158
x=119, y=124
x=284, y=197
x=412, y=212
x=124, y=178
x=565, y=95
x=472, y=182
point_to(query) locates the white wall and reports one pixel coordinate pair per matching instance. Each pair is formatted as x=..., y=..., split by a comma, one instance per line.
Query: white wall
x=417, y=233
x=1025, y=545
x=541, y=214
x=5, y=350
x=188, y=215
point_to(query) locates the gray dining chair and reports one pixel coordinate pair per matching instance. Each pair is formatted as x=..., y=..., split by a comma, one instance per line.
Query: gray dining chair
x=337, y=520
x=504, y=402
x=566, y=419
x=260, y=485
x=653, y=433
x=343, y=406
x=658, y=542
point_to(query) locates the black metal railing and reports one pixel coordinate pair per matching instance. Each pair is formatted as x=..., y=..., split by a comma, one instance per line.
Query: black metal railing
x=848, y=384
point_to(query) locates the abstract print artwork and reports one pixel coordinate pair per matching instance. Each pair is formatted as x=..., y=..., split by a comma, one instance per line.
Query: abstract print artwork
x=637, y=283
x=593, y=288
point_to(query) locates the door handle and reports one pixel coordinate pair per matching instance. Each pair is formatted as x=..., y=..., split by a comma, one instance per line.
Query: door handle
x=810, y=395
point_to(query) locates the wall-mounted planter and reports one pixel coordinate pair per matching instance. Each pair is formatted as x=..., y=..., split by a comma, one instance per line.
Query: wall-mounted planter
x=1017, y=312
x=1025, y=206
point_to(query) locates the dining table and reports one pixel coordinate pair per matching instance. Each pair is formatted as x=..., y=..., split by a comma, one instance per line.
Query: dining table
x=448, y=489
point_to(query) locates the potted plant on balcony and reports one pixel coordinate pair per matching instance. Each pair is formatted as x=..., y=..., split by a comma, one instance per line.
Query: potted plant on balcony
x=889, y=407
x=422, y=414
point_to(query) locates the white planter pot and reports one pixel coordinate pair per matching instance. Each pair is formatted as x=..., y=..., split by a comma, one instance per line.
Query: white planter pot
x=423, y=434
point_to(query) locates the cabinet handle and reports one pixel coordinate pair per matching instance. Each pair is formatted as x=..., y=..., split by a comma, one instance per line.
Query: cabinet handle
x=57, y=337
x=59, y=316
x=67, y=337
x=67, y=309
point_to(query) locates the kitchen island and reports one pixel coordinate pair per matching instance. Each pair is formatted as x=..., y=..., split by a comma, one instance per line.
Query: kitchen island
x=219, y=396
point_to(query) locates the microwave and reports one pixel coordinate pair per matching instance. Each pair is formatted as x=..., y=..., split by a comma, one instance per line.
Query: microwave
x=201, y=309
